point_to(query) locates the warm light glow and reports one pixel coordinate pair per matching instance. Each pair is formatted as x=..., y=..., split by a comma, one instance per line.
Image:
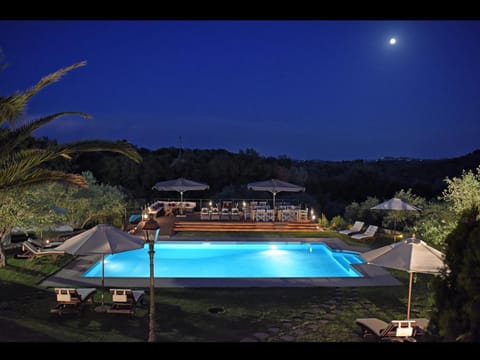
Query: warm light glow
x=210, y=203
x=145, y=216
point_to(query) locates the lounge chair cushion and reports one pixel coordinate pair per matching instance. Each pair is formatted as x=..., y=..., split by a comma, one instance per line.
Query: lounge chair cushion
x=395, y=329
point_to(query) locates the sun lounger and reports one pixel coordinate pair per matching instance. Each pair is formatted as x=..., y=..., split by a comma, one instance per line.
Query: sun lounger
x=124, y=301
x=356, y=228
x=369, y=233
x=72, y=300
x=30, y=251
x=395, y=330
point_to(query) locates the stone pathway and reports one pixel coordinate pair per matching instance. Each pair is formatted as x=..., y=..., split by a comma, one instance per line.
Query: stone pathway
x=309, y=322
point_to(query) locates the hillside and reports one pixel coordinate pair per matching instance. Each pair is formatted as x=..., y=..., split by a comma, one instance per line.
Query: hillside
x=330, y=185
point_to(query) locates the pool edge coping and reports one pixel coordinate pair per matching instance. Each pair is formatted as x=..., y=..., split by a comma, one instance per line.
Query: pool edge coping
x=70, y=275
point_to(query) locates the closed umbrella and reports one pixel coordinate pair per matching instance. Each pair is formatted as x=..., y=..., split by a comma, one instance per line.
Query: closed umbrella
x=180, y=185
x=412, y=255
x=274, y=186
x=395, y=204
x=101, y=239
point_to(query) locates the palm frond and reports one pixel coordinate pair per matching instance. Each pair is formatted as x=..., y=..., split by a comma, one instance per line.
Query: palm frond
x=10, y=139
x=17, y=166
x=13, y=107
x=120, y=147
x=43, y=176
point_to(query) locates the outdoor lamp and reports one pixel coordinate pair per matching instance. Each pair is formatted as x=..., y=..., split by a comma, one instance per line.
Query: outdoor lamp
x=150, y=229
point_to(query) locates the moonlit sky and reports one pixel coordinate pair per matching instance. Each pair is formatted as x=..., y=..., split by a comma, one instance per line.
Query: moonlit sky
x=316, y=89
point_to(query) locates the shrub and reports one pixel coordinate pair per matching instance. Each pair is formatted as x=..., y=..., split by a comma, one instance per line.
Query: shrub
x=337, y=222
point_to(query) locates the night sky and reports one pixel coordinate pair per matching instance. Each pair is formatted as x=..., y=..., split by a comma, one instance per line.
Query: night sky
x=326, y=90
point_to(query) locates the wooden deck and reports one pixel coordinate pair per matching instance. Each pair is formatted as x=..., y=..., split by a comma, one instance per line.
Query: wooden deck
x=241, y=226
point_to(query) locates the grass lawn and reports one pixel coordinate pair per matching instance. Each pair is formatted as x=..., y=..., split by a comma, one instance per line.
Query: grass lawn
x=182, y=314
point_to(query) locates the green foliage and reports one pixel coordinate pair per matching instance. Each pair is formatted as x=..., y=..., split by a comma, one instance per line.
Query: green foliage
x=361, y=212
x=403, y=220
x=463, y=192
x=323, y=221
x=98, y=203
x=30, y=209
x=337, y=222
x=435, y=223
x=439, y=218
x=22, y=168
x=457, y=314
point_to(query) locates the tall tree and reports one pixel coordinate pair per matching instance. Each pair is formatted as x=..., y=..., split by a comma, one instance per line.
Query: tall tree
x=463, y=192
x=20, y=168
x=97, y=203
x=457, y=314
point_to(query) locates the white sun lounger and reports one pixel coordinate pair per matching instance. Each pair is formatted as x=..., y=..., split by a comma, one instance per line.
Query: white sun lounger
x=356, y=228
x=368, y=234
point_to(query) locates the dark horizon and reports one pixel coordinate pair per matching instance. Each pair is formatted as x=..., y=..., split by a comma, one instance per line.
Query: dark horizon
x=331, y=90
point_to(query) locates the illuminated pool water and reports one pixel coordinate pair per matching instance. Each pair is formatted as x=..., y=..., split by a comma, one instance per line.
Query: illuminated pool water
x=231, y=260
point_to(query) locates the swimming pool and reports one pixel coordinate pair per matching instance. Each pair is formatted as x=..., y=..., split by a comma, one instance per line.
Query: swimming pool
x=231, y=260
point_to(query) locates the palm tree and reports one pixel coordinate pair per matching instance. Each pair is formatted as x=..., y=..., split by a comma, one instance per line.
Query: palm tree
x=25, y=167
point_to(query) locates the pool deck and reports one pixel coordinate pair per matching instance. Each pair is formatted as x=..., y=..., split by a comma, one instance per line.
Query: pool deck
x=70, y=275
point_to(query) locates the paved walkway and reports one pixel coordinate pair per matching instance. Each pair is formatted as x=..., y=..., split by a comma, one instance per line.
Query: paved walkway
x=70, y=275
x=306, y=325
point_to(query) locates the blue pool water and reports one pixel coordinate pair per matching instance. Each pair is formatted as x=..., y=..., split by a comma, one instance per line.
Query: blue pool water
x=231, y=260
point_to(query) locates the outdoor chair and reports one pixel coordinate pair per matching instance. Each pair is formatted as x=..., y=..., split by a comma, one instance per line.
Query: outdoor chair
x=30, y=251
x=302, y=215
x=225, y=214
x=204, y=214
x=368, y=234
x=124, y=301
x=356, y=228
x=215, y=214
x=72, y=300
x=260, y=215
x=235, y=215
x=396, y=330
x=269, y=215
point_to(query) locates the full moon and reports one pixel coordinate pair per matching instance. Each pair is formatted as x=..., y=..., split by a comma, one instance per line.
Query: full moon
x=393, y=41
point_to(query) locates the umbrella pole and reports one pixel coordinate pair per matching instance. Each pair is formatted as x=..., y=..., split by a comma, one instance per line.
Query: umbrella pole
x=103, y=275
x=394, y=229
x=181, y=202
x=409, y=295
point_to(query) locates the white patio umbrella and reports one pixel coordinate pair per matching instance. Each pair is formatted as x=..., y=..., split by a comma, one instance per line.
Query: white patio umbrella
x=180, y=185
x=274, y=186
x=412, y=255
x=395, y=204
x=101, y=239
